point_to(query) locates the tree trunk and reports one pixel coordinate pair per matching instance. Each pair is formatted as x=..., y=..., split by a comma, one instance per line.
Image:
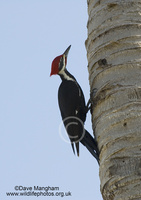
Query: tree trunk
x=114, y=64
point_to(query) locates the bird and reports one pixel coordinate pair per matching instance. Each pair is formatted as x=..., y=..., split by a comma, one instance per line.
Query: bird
x=72, y=106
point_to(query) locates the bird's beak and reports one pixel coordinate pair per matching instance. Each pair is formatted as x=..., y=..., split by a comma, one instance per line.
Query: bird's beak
x=67, y=51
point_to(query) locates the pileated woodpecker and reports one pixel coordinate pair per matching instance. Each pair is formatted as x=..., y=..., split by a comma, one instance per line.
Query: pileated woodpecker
x=72, y=106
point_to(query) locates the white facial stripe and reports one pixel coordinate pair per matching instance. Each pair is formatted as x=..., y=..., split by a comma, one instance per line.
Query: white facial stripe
x=63, y=68
x=66, y=76
x=63, y=71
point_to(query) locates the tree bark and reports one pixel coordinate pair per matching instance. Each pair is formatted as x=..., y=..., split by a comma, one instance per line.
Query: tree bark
x=114, y=64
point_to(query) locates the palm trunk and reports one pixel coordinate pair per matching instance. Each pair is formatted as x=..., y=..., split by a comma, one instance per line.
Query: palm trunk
x=114, y=64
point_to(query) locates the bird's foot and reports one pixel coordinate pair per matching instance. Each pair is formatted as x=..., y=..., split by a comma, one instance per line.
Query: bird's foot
x=88, y=106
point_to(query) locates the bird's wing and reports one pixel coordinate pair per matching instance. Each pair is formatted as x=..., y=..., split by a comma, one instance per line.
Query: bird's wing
x=71, y=100
x=72, y=107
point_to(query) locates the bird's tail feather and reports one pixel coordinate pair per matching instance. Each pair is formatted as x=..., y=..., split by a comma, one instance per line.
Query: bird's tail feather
x=89, y=142
x=73, y=147
x=77, y=147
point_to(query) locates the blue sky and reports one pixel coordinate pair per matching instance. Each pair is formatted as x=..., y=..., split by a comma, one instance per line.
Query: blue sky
x=32, y=34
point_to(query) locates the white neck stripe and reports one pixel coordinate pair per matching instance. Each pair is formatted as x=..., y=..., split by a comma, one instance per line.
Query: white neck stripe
x=62, y=72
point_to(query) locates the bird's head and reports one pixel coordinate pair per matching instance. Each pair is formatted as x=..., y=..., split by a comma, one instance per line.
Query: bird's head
x=59, y=63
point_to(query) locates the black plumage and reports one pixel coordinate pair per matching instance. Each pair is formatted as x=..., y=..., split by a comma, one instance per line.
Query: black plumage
x=73, y=107
x=73, y=111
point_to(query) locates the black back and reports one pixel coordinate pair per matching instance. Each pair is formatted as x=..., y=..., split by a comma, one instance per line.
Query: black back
x=71, y=100
x=73, y=109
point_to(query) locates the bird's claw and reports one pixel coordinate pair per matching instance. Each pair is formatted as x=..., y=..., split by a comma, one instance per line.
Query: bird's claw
x=89, y=105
